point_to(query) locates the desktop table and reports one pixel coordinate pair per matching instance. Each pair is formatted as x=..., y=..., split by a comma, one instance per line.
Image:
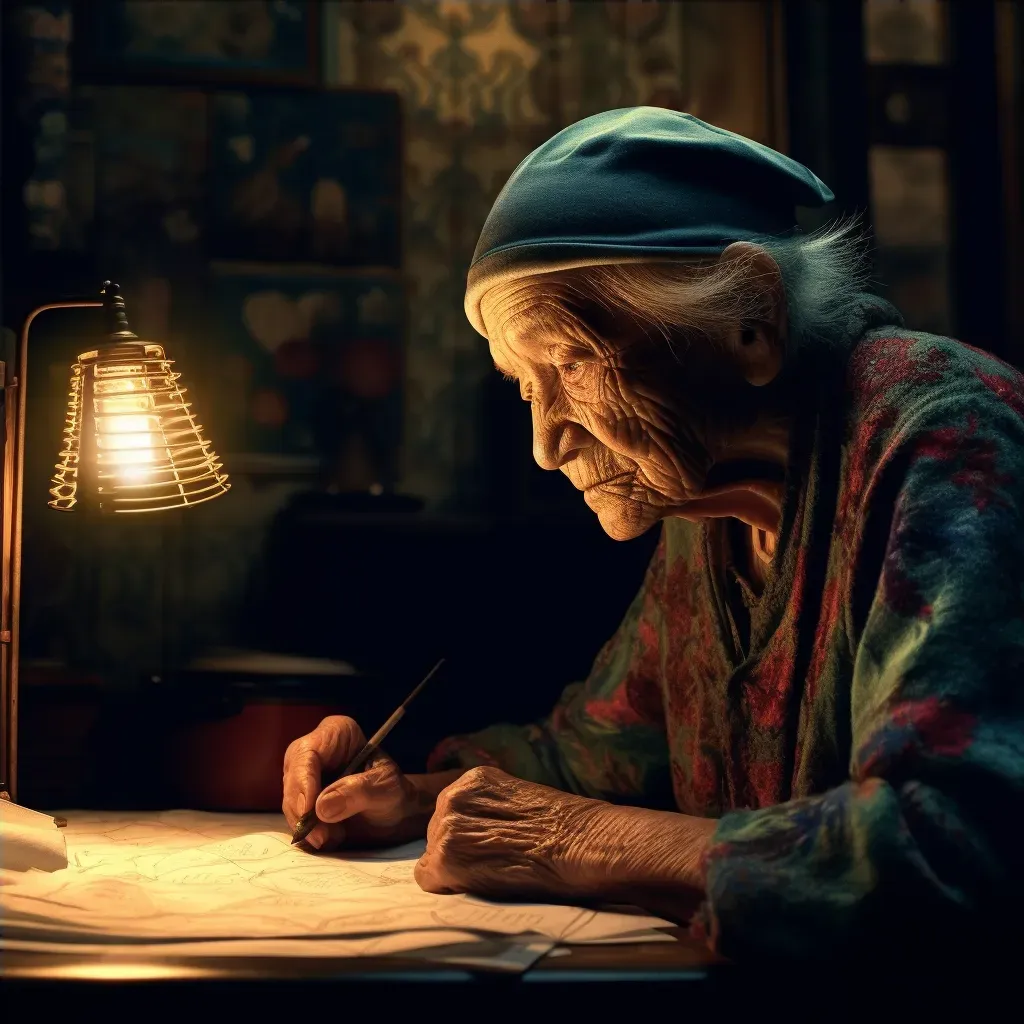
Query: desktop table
x=587, y=978
x=649, y=983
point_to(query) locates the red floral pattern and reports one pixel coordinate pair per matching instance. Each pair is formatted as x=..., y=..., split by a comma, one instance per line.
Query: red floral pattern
x=931, y=728
x=975, y=457
x=1009, y=390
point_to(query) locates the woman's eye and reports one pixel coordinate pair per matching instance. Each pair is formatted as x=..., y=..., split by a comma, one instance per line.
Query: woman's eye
x=581, y=378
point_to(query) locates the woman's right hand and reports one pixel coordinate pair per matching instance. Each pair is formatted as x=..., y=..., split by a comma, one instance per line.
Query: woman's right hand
x=377, y=806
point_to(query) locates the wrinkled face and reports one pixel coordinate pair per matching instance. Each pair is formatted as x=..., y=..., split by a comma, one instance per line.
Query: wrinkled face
x=631, y=420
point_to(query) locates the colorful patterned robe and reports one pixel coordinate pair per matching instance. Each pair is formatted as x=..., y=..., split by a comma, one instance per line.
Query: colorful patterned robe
x=859, y=729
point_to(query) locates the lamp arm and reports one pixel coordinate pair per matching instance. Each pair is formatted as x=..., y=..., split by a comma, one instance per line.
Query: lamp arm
x=13, y=490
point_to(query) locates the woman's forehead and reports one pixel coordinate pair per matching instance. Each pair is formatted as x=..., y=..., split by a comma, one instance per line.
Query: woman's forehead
x=519, y=344
x=547, y=338
x=534, y=320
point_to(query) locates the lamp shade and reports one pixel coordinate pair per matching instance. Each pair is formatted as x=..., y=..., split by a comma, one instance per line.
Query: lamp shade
x=131, y=440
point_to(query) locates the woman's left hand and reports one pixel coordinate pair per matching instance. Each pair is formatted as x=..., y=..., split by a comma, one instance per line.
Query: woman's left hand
x=495, y=835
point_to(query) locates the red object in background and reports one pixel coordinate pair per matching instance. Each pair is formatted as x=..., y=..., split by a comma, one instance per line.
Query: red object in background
x=370, y=368
x=235, y=763
x=296, y=360
x=269, y=408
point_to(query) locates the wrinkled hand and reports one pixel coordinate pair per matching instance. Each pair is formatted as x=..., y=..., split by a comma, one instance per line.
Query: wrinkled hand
x=495, y=835
x=377, y=806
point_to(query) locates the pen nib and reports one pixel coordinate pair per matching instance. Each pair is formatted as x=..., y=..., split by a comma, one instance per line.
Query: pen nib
x=304, y=826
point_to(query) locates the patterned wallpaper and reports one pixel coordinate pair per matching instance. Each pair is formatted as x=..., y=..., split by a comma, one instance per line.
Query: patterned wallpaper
x=482, y=83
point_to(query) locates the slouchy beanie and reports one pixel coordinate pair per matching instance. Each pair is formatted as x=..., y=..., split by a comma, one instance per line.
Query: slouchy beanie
x=638, y=184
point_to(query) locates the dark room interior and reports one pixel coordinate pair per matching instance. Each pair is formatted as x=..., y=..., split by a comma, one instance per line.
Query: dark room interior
x=289, y=195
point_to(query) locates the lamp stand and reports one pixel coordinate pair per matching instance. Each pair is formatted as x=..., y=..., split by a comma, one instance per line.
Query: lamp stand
x=10, y=539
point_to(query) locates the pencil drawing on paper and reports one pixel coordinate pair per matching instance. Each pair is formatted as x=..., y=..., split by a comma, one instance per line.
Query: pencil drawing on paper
x=186, y=877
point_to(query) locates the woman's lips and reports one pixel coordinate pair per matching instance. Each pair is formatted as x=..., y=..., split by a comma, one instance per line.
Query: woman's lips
x=608, y=480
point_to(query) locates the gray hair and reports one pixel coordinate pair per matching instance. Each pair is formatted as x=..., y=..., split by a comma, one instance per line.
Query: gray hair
x=824, y=273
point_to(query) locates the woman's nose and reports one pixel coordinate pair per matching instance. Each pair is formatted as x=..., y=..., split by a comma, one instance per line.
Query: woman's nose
x=555, y=437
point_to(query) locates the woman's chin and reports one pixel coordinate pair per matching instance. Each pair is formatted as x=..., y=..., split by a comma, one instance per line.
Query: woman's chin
x=620, y=518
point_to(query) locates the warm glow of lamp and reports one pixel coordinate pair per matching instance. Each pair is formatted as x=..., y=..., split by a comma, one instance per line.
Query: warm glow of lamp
x=131, y=440
x=131, y=444
x=146, y=450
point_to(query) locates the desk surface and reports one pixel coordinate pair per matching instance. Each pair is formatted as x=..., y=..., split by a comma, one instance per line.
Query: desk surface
x=186, y=983
x=648, y=982
x=684, y=957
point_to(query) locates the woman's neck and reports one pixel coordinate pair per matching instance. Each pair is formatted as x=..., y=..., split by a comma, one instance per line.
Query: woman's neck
x=746, y=480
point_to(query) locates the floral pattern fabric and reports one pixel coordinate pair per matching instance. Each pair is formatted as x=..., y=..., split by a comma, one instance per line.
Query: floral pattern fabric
x=861, y=737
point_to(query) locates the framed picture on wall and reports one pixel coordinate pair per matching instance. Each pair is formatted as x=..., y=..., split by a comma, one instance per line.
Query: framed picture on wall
x=306, y=363
x=312, y=177
x=200, y=40
x=137, y=181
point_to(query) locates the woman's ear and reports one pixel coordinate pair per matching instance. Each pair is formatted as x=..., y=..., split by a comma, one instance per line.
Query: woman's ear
x=758, y=345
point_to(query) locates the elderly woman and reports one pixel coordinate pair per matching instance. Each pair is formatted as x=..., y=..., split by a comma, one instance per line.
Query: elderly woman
x=807, y=735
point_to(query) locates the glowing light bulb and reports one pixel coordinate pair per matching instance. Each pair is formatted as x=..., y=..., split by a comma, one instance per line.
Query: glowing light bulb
x=122, y=404
x=146, y=450
x=127, y=424
x=117, y=387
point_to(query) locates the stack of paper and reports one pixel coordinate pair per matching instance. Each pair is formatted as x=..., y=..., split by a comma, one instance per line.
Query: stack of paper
x=189, y=883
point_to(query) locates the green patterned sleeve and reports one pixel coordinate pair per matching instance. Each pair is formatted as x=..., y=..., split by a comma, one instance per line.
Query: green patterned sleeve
x=920, y=848
x=606, y=736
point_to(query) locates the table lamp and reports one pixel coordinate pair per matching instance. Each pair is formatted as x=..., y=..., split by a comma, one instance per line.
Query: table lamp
x=131, y=445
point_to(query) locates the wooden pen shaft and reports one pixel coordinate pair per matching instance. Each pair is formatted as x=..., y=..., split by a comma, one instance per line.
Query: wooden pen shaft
x=374, y=742
x=380, y=735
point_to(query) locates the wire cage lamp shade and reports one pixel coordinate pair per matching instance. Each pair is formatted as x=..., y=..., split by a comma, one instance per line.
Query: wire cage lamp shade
x=131, y=440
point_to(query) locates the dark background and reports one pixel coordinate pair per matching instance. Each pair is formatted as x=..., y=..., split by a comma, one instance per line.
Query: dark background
x=910, y=111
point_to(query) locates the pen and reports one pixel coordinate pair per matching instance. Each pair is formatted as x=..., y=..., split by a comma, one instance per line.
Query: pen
x=309, y=821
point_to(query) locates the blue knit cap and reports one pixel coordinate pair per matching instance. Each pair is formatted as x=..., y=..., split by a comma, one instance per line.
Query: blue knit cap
x=636, y=184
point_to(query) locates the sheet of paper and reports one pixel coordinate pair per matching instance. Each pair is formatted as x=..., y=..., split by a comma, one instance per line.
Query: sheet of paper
x=15, y=814
x=189, y=877
x=29, y=839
